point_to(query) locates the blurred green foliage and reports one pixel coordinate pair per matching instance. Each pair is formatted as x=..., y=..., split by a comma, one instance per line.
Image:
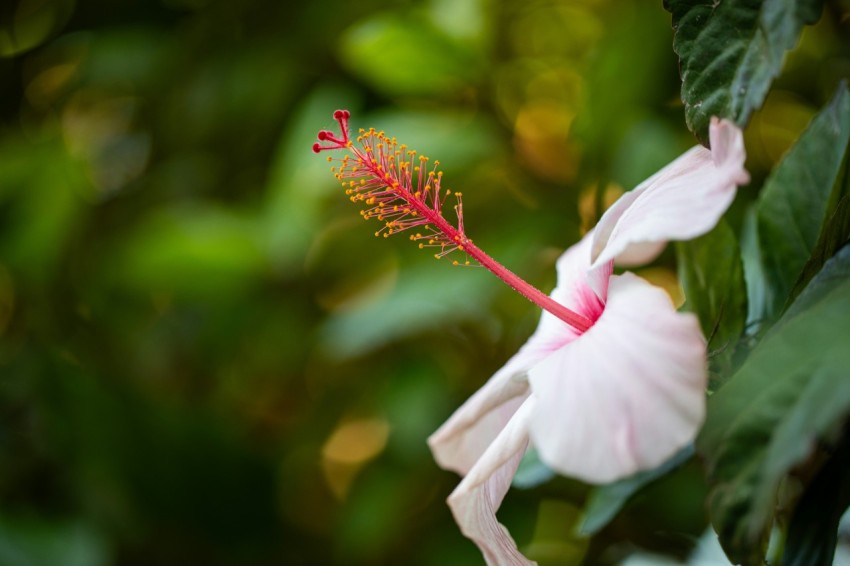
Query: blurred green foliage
x=205, y=357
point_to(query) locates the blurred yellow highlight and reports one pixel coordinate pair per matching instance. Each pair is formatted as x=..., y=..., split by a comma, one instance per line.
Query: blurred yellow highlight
x=350, y=446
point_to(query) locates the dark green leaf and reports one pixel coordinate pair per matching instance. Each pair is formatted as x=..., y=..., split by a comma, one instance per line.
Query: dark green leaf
x=813, y=530
x=758, y=292
x=712, y=277
x=835, y=233
x=606, y=501
x=793, y=389
x=730, y=52
x=794, y=201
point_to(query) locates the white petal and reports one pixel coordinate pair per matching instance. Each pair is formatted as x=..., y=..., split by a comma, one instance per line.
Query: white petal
x=682, y=201
x=626, y=395
x=475, y=501
x=461, y=440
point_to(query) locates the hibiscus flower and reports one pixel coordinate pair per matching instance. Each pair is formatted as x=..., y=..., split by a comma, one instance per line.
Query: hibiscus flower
x=621, y=396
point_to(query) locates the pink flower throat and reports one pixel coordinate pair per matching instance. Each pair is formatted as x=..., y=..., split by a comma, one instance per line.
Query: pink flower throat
x=399, y=190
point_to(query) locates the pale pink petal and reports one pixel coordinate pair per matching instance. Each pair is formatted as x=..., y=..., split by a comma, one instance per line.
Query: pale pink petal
x=461, y=440
x=625, y=396
x=464, y=437
x=682, y=201
x=475, y=501
x=576, y=289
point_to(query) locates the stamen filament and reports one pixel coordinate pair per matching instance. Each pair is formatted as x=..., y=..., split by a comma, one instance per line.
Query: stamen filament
x=403, y=195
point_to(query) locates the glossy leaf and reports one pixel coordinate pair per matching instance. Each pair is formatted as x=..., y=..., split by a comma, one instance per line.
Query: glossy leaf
x=730, y=52
x=712, y=277
x=792, y=390
x=794, y=201
x=758, y=291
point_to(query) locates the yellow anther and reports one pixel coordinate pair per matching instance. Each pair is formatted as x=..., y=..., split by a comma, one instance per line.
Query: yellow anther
x=421, y=246
x=455, y=262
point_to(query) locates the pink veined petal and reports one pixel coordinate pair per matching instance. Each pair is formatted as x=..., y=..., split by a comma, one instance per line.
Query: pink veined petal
x=478, y=496
x=682, y=201
x=461, y=440
x=626, y=395
x=583, y=293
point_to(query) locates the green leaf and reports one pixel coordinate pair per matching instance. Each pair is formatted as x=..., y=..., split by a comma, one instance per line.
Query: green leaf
x=730, y=52
x=532, y=471
x=408, y=56
x=423, y=298
x=794, y=201
x=758, y=291
x=712, y=277
x=812, y=533
x=607, y=500
x=195, y=252
x=793, y=389
x=835, y=233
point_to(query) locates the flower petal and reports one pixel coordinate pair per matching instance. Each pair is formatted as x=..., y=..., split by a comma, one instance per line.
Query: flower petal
x=577, y=290
x=626, y=395
x=478, y=496
x=682, y=201
x=461, y=440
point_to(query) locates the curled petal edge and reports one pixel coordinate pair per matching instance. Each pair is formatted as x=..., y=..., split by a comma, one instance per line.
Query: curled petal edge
x=477, y=498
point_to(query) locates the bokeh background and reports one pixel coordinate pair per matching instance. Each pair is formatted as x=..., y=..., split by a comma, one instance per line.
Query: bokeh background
x=207, y=358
